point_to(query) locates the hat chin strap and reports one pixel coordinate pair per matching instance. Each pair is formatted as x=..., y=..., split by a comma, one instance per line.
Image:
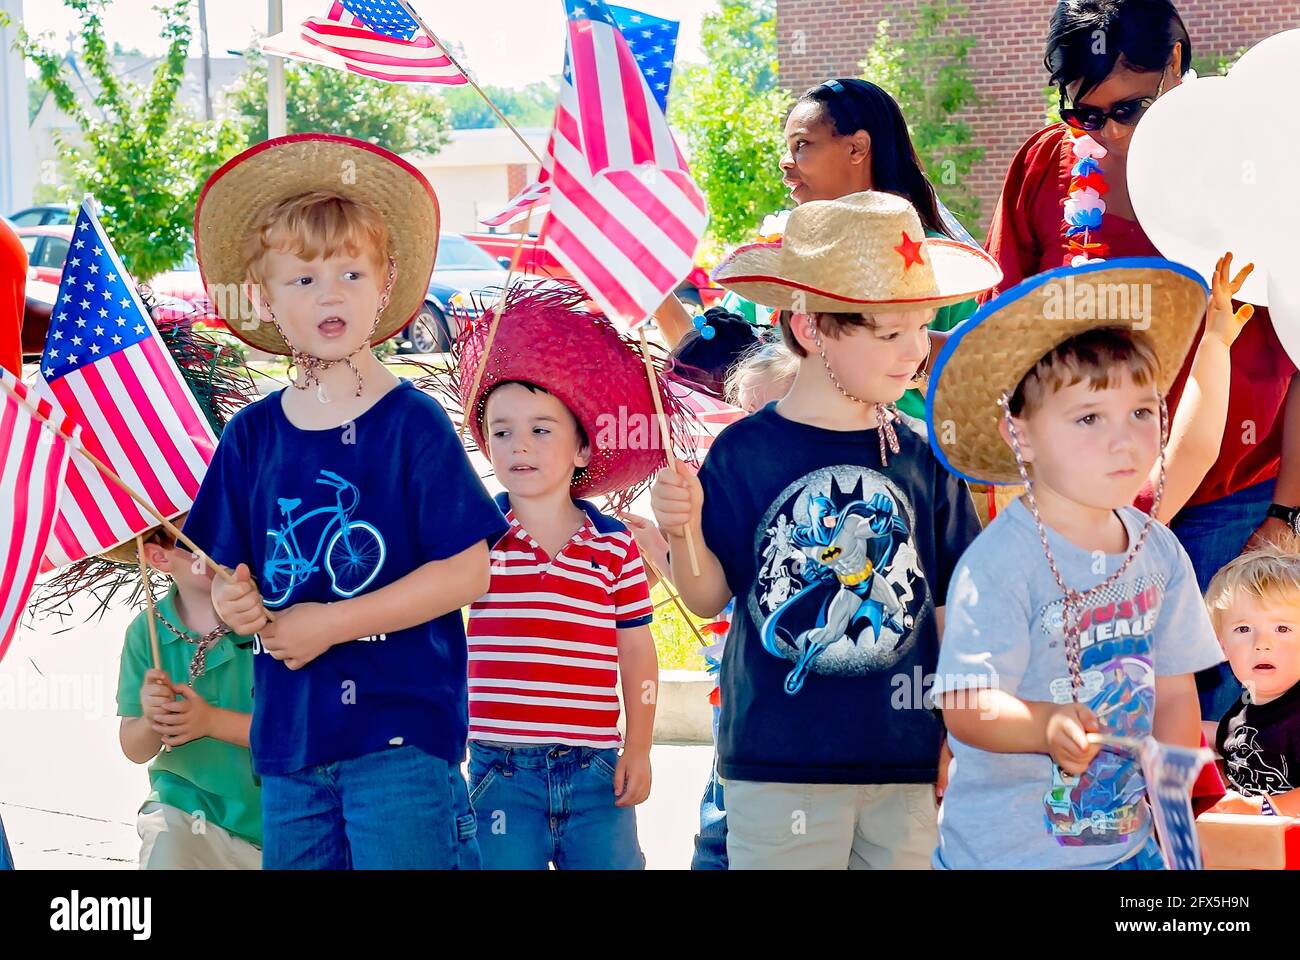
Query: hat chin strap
x=886, y=414
x=310, y=365
x=1075, y=600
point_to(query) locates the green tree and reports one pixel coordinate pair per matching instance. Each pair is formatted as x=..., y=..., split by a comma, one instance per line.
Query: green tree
x=144, y=157
x=529, y=106
x=924, y=67
x=397, y=116
x=732, y=112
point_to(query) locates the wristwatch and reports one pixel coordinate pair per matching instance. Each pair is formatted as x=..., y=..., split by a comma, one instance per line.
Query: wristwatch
x=1291, y=515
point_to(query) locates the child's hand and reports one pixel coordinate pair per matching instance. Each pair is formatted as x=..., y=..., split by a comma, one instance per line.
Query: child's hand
x=632, y=777
x=299, y=634
x=189, y=718
x=155, y=693
x=1068, y=727
x=677, y=499
x=1220, y=322
x=649, y=540
x=238, y=604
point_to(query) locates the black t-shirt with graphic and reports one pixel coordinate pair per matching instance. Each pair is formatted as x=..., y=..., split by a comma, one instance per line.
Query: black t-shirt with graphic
x=835, y=562
x=1260, y=744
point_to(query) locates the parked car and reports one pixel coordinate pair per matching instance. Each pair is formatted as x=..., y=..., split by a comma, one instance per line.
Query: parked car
x=460, y=267
x=47, y=248
x=50, y=214
x=696, y=290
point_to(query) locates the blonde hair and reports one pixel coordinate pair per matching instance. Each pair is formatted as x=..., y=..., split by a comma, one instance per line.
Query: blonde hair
x=1268, y=573
x=1094, y=356
x=316, y=225
x=760, y=364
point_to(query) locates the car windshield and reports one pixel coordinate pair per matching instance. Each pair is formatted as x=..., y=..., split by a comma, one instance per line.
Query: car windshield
x=457, y=253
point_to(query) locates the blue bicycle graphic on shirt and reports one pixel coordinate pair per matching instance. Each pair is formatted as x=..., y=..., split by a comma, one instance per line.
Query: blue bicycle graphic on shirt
x=353, y=549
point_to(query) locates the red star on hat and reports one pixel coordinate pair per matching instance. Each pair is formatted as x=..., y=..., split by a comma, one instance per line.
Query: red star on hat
x=911, y=252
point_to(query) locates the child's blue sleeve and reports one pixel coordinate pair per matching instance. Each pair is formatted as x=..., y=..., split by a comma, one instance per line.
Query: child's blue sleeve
x=218, y=521
x=985, y=639
x=1184, y=640
x=956, y=525
x=452, y=510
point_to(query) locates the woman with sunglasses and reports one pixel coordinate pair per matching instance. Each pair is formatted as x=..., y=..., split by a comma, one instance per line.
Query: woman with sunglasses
x=1110, y=60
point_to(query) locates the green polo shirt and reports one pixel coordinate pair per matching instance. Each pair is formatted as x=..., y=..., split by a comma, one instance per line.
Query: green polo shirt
x=206, y=775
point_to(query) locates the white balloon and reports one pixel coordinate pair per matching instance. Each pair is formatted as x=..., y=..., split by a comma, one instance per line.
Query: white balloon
x=1271, y=61
x=1284, y=306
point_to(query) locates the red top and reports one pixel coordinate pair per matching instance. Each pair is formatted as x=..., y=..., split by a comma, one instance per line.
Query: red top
x=13, y=300
x=1027, y=236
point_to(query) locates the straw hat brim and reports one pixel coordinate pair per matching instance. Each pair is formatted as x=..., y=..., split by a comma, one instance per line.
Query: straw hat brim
x=126, y=553
x=286, y=167
x=759, y=273
x=990, y=353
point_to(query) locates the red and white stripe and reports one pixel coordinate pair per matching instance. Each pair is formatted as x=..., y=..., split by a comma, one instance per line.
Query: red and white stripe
x=533, y=196
x=625, y=214
x=33, y=460
x=712, y=416
x=543, y=642
x=342, y=41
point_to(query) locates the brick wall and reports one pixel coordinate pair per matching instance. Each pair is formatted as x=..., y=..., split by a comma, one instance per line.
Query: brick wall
x=831, y=36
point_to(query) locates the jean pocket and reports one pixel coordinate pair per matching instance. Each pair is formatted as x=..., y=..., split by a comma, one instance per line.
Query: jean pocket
x=478, y=787
x=605, y=761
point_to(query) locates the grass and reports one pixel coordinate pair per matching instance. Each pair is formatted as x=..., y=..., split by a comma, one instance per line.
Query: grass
x=676, y=644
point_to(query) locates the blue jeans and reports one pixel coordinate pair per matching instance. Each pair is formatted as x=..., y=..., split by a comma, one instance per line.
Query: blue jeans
x=394, y=809
x=1148, y=858
x=1212, y=534
x=6, y=858
x=711, y=841
x=550, y=803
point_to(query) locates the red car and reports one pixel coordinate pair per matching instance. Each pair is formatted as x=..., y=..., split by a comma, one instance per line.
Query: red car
x=535, y=259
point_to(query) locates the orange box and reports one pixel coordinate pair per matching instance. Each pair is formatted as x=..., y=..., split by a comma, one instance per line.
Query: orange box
x=1241, y=841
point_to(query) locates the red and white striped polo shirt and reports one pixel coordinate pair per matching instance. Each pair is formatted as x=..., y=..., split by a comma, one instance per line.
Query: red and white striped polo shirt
x=543, y=646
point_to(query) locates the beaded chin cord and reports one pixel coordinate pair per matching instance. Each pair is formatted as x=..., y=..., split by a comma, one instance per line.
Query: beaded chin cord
x=310, y=365
x=1074, y=599
x=885, y=413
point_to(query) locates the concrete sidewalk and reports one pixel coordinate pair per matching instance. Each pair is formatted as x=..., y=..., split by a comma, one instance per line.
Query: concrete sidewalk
x=68, y=796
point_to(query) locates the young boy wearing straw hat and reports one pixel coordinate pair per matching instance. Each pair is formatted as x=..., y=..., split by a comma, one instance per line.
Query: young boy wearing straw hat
x=1073, y=616
x=189, y=720
x=829, y=761
x=568, y=614
x=348, y=507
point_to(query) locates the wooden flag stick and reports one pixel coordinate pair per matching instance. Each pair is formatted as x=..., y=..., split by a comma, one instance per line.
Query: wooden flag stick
x=465, y=73
x=148, y=600
x=120, y=484
x=672, y=596
x=666, y=435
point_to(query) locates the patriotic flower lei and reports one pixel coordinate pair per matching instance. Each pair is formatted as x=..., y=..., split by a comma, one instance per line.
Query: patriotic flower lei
x=1084, y=206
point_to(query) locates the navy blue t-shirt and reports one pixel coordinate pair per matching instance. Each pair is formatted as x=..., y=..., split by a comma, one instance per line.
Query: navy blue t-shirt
x=835, y=562
x=323, y=515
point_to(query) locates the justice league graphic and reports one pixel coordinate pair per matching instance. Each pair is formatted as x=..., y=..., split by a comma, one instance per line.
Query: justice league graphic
x=1102, y=805
x=839, y=586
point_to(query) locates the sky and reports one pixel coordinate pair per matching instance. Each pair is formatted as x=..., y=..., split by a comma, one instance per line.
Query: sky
x=507, y=43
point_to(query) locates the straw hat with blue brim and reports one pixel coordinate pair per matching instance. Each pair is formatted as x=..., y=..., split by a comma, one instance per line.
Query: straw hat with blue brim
x=989, y=354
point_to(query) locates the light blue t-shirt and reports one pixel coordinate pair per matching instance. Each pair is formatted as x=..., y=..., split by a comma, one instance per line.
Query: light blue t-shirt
x=1003, y=629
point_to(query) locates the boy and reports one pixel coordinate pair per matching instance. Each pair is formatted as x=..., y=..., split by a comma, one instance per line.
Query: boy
x=569, y=608
x=1255, y=605
x=829, y=761
x=351, y=513
x=189, y=721
x=1073, y=614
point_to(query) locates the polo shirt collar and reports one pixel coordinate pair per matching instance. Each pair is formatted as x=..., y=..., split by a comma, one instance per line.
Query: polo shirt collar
x=595, y=524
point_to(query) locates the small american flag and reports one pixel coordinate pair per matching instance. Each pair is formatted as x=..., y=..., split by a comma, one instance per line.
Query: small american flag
x=625, y=215
x=33, y=461
x=710, y=417
x=1170, y=772
x=653, y=42
x=105, y=367
x=373, y=38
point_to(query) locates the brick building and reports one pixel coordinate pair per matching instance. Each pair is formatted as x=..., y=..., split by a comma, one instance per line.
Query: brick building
x=831, y=36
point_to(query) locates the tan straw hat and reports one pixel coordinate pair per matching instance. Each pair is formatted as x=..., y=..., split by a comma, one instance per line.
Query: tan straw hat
x=287, y=167
x=989, y=354
x=866, y=252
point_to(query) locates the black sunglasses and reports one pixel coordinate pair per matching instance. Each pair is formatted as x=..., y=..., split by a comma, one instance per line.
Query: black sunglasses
x=1127, y=112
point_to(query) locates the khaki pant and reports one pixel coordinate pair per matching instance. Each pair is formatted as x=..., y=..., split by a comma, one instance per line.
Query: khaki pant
x=170, y=841
x=828, y=826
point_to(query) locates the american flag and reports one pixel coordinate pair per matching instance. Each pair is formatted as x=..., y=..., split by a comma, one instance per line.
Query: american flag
x=33, y=460
x=653, y=42
x=1170, y=772
x=374, y=38
x=625, y=215
x=105, y=367
x=710, y=417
